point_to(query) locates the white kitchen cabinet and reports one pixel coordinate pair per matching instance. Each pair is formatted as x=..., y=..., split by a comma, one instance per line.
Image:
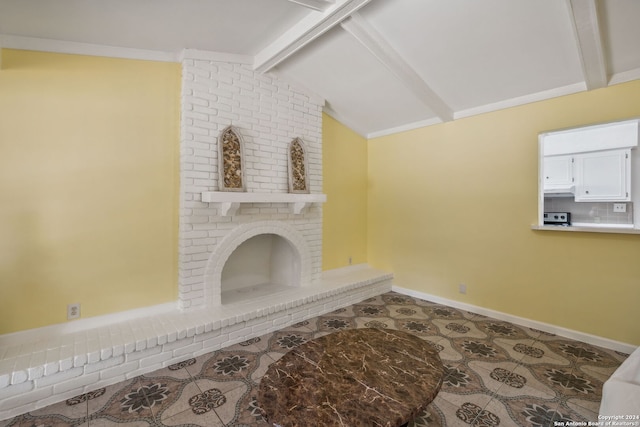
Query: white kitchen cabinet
x=603, y=176
x=586, y=139
x=558, y=173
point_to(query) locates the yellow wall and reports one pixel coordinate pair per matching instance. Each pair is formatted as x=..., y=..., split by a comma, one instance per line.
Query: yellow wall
x=453, y=203
x=344, y=230
x=88, y=185
x=89, y=191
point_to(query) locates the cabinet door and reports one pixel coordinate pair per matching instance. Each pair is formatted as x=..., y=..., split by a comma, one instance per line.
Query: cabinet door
x=558, y=172
x=603, y=176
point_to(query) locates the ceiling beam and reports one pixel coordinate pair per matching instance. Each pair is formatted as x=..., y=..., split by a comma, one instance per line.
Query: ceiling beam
x=584, y=14
x=370, y=38
x=304, y=32
x=319, y=5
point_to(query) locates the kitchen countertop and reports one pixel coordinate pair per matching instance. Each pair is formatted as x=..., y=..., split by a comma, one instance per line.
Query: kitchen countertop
x=595, y=228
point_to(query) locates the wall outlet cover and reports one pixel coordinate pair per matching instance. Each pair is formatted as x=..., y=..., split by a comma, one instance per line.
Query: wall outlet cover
x=619, y=207
x=73, y=311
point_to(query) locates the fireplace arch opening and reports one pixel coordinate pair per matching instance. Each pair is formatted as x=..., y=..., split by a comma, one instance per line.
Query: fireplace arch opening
x=259, y=266
x=279, y=252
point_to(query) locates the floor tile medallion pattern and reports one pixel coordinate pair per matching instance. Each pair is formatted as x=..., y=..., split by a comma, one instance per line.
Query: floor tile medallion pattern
x=497, y=374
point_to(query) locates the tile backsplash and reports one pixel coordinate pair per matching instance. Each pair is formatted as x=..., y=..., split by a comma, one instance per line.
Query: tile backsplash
x=589, y=212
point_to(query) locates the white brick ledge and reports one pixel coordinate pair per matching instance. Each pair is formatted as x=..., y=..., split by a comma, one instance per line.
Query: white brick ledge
x=230, y=202
x=40, y=370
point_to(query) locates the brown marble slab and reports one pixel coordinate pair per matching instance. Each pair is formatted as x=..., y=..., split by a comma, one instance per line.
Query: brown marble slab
x=356, y=377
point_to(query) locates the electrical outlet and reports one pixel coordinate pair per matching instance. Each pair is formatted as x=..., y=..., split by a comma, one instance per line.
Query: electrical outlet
x=350, y=260
x=73, y=311
x=619, y=207
x=462, y=288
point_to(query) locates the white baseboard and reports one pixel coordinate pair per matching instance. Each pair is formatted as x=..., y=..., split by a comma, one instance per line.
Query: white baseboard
x=529, y=323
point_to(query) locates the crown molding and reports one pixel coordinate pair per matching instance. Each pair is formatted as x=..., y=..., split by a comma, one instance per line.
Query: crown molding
x=625, y=76
x=206, y=55
x=351, y=124
x=501, y=105
x=75, y=48
x=405, y=128
x=318, y=5
x=522, y=100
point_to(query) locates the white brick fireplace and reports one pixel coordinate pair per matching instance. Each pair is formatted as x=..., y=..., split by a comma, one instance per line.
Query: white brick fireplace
x=268, y=113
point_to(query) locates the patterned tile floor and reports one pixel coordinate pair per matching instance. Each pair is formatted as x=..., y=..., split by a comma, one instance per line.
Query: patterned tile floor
x=498, y=373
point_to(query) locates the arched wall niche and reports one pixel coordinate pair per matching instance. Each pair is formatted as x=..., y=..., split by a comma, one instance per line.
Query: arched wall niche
x=231, y=160
x=298, y=167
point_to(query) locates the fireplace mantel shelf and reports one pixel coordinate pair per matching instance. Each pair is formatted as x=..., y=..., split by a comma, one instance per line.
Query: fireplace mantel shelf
x=230, y=201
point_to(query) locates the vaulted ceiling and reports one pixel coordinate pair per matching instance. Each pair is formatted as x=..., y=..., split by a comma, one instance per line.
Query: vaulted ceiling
x=381, y=65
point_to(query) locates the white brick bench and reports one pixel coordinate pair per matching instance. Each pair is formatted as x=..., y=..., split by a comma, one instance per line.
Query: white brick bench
x=49, y=365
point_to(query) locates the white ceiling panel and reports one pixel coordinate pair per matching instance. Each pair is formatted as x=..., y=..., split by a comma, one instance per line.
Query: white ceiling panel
x=381, y=65
x=479, y=52
x=357, y=88
x=239, y=26
x=621, y=35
